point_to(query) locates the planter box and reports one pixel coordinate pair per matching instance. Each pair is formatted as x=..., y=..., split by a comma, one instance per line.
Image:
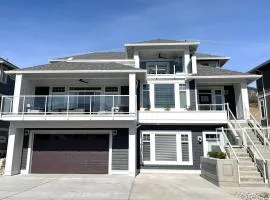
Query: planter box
x=221, y=172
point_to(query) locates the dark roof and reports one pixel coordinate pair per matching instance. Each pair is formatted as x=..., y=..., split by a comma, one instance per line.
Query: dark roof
x=213, y=71
x=8, y=64
x=158, y=40
x=205, y=55
x=260, y=66
x=98, y=56
x=81, y=66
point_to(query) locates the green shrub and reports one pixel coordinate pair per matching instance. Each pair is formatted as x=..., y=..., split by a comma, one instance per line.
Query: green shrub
x=217, y=154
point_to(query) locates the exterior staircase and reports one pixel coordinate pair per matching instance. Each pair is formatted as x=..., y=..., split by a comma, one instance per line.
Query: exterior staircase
x=248, y=172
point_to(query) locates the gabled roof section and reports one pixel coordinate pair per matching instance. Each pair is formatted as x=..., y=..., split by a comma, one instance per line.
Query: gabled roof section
x=205, y=56
x=259, y=67
x=218, y=74
x=96, y=56
x=71, y=67
x=214, y=71
x=8, y=64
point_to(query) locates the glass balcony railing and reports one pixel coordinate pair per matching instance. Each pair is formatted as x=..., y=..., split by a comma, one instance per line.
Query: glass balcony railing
x=65, y=104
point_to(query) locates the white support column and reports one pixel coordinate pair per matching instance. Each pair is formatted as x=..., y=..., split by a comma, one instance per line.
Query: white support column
x=238, y=101
x=132, y=148
x=194, y=64
x=17, y=93
x=14, y=151
x=132, y=93
x=186, y=60
x=137, y=59
x=245, y=101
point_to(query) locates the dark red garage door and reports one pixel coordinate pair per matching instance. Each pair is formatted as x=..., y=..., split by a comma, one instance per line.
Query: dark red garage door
x=70, y=153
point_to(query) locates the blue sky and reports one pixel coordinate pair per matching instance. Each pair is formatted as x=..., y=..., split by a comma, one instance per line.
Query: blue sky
x=32, y=32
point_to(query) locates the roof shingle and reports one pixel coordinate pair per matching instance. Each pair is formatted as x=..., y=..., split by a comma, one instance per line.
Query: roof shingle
x=80, y=66
x=213, y=71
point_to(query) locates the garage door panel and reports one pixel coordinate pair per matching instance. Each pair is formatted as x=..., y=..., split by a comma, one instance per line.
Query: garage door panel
x=62, y=154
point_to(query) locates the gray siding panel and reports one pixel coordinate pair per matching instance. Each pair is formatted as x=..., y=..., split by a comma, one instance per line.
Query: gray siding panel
x=192, y=95
x=197, y=148
x=120, y=150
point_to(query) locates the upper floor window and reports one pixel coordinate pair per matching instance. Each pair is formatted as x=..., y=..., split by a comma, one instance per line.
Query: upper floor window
x=164, y=96
x=168, y=67
x=210, y=63
x=3, y=75
x=183, y=96
x=146, y=96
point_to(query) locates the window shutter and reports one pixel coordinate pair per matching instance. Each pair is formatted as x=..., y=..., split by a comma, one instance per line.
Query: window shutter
x=165, y=147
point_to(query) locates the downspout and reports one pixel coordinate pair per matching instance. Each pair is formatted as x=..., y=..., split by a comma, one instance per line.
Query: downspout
x=264, y=98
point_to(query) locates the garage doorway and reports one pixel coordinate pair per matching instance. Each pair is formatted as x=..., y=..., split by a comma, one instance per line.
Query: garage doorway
x=68, y=153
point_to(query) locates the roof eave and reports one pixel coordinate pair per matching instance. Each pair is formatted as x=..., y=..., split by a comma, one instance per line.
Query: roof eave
x=244, y=76
x=71, y=71
x=213, y=58
x=259, y=67
x=163, y=44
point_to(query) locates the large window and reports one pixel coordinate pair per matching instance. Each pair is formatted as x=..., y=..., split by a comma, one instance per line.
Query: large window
x=166, y=148
x=183, y=96
x=262, y=108
x=146, y=96
x=164, y=96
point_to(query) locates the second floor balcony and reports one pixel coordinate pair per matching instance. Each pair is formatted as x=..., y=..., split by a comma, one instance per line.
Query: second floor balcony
x=66, y=107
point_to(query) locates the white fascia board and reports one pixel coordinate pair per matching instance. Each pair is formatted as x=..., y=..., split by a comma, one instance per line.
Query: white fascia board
x=163, y=44
x=72, y=71
x=213, y=58
x=225, y=76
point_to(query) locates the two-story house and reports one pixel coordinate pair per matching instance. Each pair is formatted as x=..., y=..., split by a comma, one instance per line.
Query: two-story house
x=153, y=107
x=6, y=88
x=263, y=88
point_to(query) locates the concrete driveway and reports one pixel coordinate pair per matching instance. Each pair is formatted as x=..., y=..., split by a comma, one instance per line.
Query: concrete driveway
x=176, y=186
x=75, y=187
x=114, y=187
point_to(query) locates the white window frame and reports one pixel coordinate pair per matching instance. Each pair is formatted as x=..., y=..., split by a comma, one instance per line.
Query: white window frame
x=142, y=90
x=178, y=148
x=262, y=102
x=205, y=146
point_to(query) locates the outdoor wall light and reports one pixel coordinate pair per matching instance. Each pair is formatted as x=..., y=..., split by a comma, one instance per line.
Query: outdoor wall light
x=199, y=138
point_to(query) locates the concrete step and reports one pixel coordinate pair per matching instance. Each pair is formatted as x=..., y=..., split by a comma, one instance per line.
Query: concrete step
x=253, y=173
x=244, y=159
x=241, y=154
x=252, y=184
x=257, y=179
x=248, y=168
x=245, y=163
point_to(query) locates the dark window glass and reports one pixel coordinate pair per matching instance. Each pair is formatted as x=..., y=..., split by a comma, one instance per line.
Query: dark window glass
x=164, y=96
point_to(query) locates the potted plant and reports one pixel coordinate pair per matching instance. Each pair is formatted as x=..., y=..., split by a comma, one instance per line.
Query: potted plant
x=167, y=108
